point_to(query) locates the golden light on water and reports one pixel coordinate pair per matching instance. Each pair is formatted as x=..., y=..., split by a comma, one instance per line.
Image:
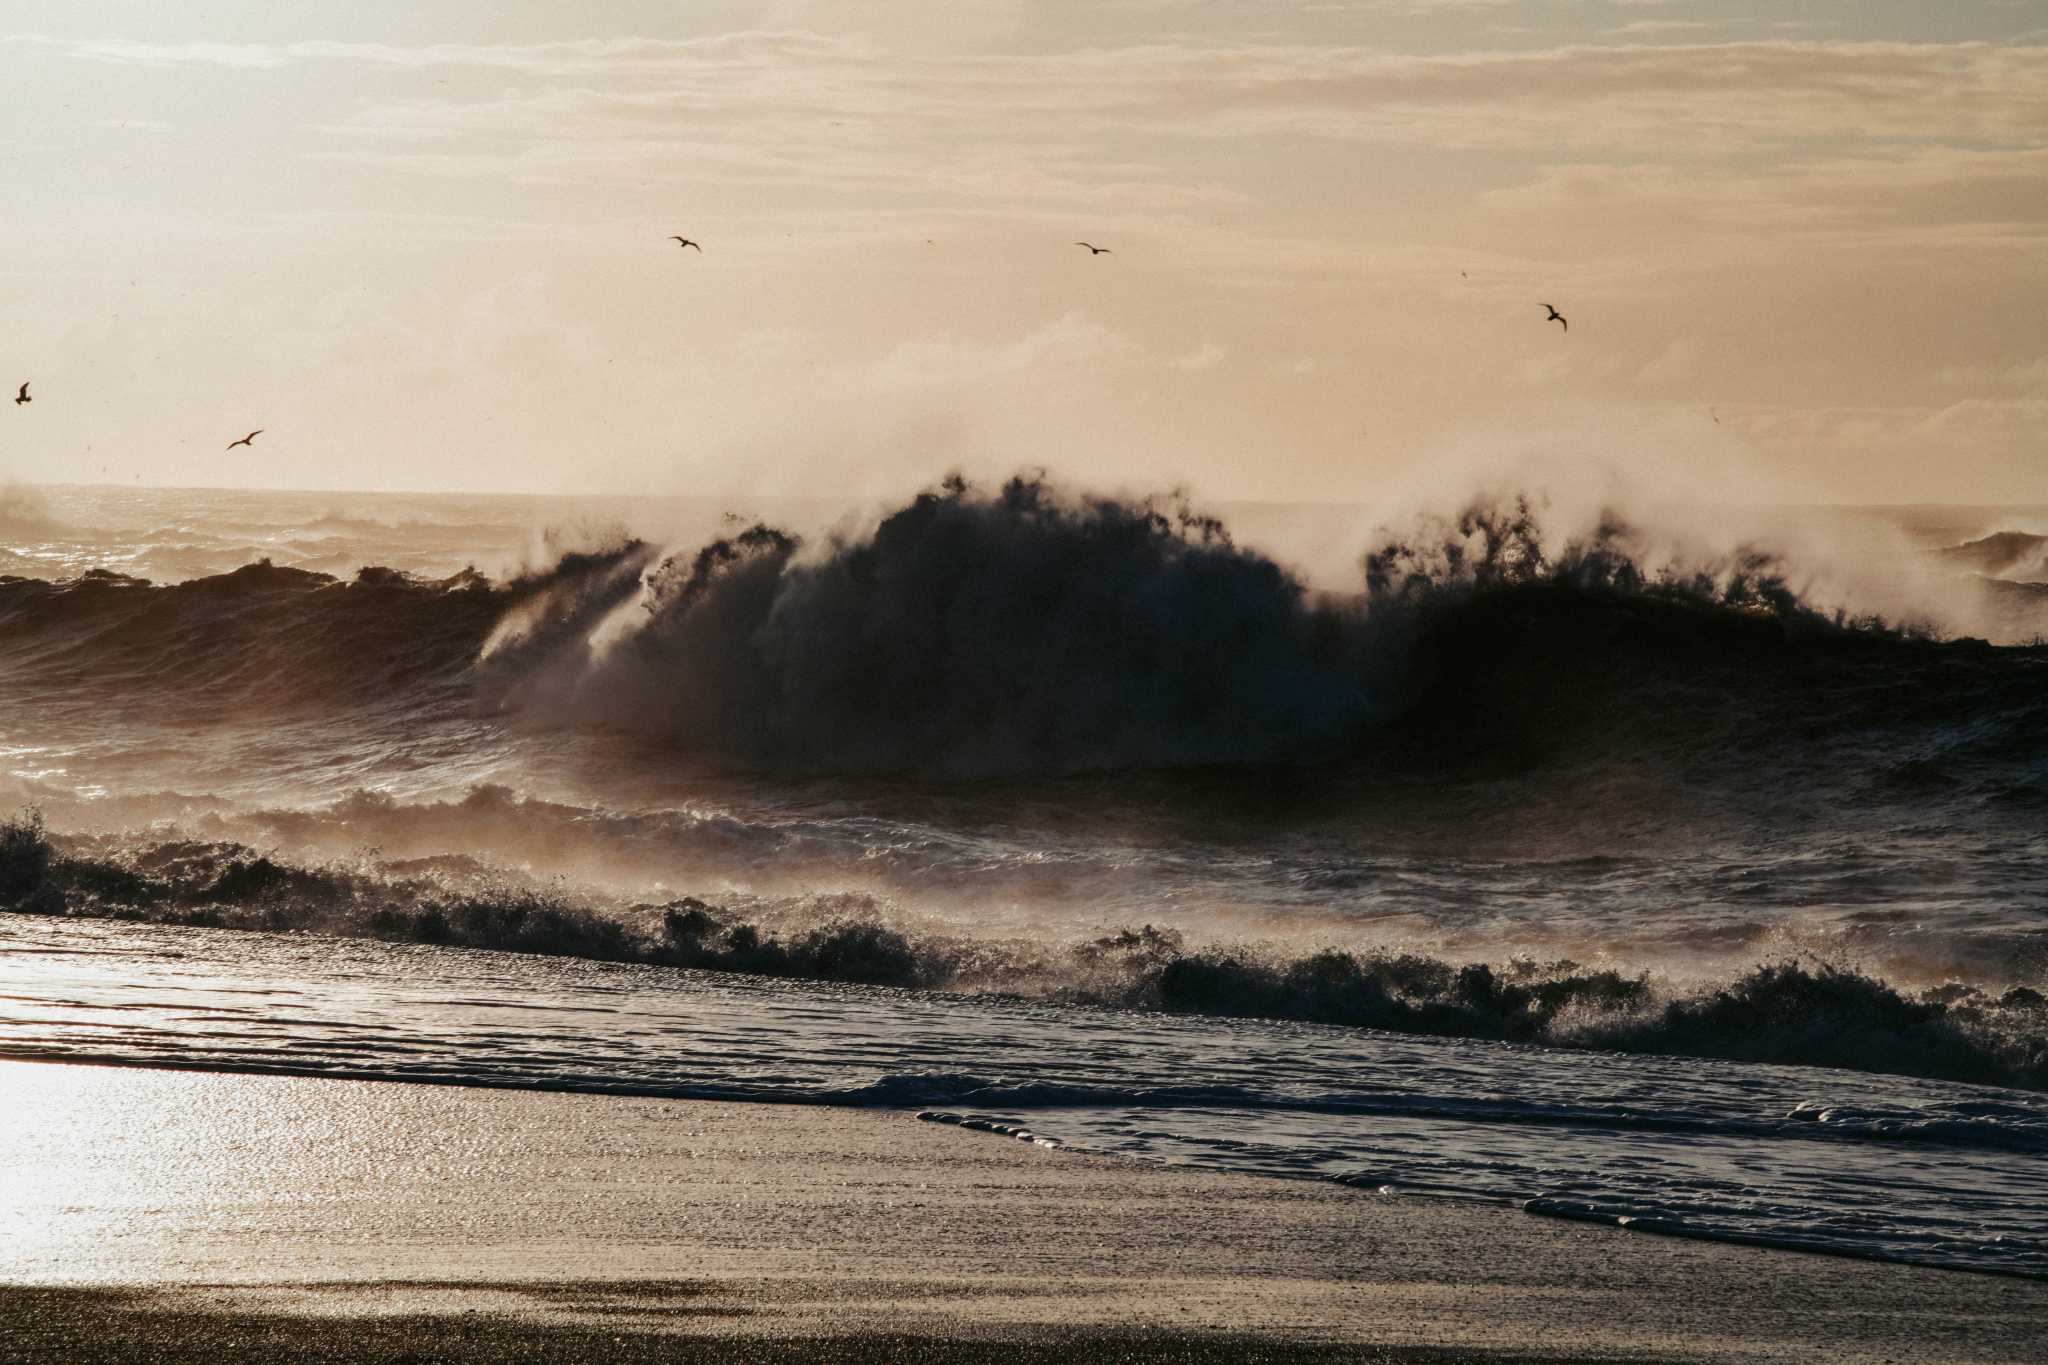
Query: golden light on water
x=113, y=1174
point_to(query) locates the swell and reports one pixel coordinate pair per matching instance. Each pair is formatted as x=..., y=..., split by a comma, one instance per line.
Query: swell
x=1790, y=1012
x=2013, y=558
x=263, y=637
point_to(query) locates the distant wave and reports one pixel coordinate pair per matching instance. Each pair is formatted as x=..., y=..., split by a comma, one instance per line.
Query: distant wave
x=2009, y=556
x=1790, y=1012
x=262, y=637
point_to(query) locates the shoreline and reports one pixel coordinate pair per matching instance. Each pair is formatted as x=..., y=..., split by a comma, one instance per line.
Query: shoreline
x=110, y=1327
x=363, y=1220
x=766, y=1322
x=174, y=1206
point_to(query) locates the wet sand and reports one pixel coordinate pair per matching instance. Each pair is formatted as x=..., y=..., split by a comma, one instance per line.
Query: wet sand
x=161, y=1215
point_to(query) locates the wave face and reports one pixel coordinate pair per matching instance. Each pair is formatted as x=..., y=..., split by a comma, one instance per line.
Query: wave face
x=1025, y=631
x=1029, y=631
x=261, y=636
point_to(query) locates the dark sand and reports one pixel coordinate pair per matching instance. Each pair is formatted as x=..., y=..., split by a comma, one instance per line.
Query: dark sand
x=168, y=1216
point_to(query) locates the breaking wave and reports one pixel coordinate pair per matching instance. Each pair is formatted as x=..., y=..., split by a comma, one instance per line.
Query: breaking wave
x=1030, y=631
x=1791, y=1012
x=1023, y=631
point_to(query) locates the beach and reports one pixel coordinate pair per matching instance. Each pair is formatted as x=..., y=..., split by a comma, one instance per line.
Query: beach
x=162, y=1215
x=1024, y=682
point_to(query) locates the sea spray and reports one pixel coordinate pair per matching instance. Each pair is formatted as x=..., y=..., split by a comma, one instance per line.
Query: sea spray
x=1027, y=630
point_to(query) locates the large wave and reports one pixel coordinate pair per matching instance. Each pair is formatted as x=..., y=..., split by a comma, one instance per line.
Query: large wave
x=1020, y=631
x=1027, y=630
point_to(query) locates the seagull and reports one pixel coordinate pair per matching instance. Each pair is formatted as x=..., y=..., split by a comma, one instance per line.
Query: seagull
x=246, y=439
x=687, y=242
x=23, y=397
x=1556, y=317
x=1097, y=250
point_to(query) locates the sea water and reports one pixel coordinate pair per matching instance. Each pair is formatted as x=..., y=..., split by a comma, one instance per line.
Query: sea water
x=1699, y=890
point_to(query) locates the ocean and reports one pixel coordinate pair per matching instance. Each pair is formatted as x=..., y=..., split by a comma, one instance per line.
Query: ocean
x=1626, y=859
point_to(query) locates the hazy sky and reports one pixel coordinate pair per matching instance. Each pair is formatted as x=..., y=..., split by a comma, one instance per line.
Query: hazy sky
x=424, y=245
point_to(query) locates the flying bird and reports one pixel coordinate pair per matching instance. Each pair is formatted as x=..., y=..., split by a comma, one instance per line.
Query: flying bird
x=1096, y=250
x=687, y=242
x=246, y=439
x=1556, y=317
x=23, y=397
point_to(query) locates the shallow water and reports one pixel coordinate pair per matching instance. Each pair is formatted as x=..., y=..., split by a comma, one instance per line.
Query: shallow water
x=1925, y=1171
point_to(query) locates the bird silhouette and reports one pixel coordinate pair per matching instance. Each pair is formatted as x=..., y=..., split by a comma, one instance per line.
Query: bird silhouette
x=687, y=242
x=1556, y=317
x=246, y=439
x=23, y=397
x=1096, y=250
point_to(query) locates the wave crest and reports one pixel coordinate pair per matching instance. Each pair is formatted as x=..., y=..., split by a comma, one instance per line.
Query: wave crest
x=1023, y=630
x=1030, y=630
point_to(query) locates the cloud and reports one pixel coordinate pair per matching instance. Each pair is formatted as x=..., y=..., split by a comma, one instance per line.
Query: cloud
x=1905, y=193
x=1973, y=451
x=120, y=52
x=2031, y=376
x=1722, y=97
x=1676, y=365
x=1132, y=125
x=1652, y=26
x=1969, y=424
x=589, y=56
x=1454, y=6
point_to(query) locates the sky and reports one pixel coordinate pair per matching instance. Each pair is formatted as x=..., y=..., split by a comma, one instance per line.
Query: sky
x=427, y=246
